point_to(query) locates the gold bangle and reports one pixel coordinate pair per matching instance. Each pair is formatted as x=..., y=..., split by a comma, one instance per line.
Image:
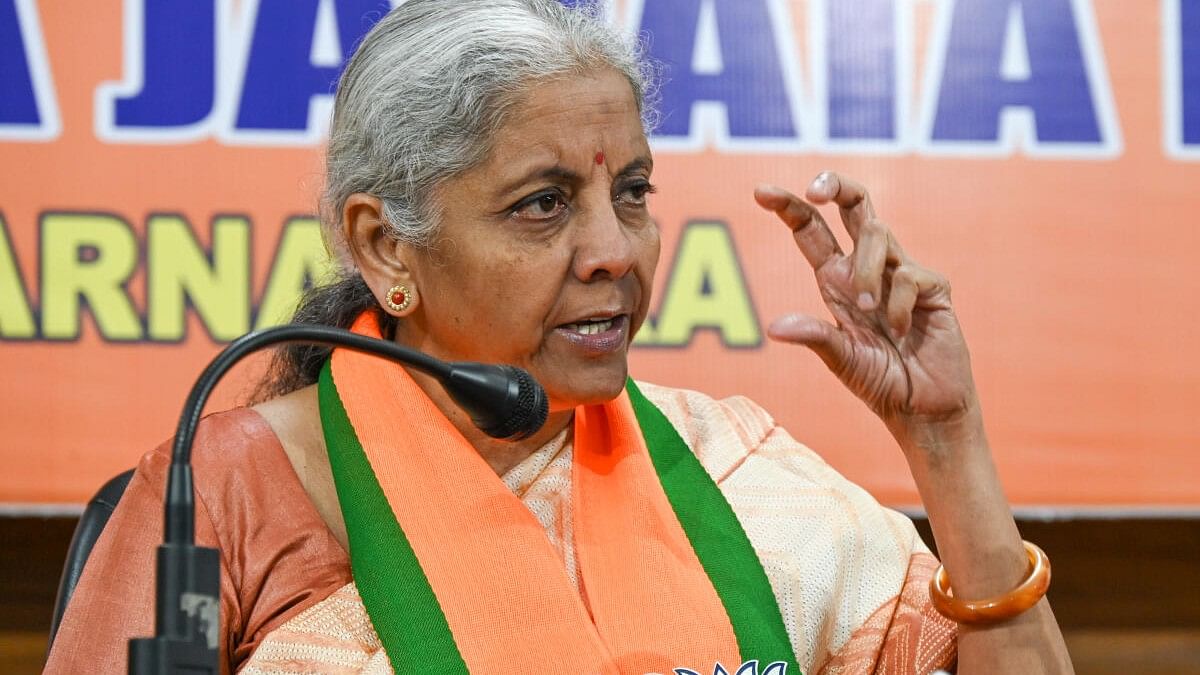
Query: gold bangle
x=998, y=608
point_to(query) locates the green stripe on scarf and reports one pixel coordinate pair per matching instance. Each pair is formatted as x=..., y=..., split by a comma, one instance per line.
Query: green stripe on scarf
x=717, y=537
x=398, y=598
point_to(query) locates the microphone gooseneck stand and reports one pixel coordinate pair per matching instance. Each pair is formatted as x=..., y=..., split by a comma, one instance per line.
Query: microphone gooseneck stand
x=503, y=401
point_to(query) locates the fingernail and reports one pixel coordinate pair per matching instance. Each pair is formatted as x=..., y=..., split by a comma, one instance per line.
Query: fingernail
x=819, y=183
x=783, y=323
x=866, y=301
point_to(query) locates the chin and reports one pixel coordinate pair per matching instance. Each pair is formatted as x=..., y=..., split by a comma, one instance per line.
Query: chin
x=586, y=388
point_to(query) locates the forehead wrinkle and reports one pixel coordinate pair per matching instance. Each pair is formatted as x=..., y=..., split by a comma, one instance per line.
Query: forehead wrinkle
x=545, y=105
x=544, y=101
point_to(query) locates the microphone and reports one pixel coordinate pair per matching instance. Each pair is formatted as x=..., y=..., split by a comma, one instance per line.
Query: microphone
x=504, y=402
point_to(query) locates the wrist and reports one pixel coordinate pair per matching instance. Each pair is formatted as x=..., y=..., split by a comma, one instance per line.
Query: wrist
x=936, y=438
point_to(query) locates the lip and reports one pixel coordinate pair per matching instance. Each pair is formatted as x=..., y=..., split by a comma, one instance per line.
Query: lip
x=610, y=341
x=595, y=314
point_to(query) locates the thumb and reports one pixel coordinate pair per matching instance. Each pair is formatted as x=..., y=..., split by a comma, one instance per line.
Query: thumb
x=820, y=336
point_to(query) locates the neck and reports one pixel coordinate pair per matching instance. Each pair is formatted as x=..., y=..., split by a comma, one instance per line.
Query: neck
x=500, y=455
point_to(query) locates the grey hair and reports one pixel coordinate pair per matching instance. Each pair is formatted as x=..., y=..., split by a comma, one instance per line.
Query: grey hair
x=418, y=103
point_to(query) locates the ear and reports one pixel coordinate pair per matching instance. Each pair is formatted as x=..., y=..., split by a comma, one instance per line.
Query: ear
x=381, y=259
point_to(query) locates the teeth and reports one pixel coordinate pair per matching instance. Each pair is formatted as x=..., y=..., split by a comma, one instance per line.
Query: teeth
x=591, y=327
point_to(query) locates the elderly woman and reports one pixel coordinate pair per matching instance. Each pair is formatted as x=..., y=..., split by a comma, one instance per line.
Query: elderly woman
x=488, y=174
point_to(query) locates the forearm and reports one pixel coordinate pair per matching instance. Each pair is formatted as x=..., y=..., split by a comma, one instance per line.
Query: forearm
x=980, y=546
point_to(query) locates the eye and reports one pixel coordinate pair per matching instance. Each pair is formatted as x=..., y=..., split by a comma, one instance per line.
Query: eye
x=541, y=206
x=634, y=193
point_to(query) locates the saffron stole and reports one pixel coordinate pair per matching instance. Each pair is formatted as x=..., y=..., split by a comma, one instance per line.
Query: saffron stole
x=465, y=585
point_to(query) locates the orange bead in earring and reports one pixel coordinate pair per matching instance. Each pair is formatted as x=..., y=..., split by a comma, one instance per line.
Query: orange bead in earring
x=399, y=297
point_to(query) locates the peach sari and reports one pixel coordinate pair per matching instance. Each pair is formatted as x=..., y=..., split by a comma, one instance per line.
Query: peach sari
x=850, y=576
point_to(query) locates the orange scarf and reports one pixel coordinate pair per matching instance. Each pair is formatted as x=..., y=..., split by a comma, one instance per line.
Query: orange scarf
x=647, y=606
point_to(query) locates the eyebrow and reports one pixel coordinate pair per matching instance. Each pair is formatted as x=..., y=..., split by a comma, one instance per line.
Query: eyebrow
x=554, y=173
x=643, y=162
x=560, y=174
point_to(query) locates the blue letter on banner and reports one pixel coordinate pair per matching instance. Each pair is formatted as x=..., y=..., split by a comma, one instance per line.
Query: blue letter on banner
x=281, y=79
x=1189, y=68
x=861, y=70
x=18, y=103
x=974, y=90
x=750, y=83
x=178, y=66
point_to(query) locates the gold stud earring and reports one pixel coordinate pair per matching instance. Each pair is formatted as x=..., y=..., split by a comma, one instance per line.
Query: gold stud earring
x=399, y=297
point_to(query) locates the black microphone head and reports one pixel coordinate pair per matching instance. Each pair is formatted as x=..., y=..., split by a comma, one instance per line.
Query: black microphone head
x=505, y=402
x=528, y=414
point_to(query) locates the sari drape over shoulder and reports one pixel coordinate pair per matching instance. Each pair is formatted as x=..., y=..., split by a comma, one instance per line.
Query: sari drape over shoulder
x=850, y=576
x=277, y=556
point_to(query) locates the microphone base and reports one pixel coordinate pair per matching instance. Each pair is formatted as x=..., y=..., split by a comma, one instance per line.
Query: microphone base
x=167, y=656
x=188, y=616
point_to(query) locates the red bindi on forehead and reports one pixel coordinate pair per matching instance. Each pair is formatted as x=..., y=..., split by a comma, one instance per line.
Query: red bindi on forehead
x=599, y=158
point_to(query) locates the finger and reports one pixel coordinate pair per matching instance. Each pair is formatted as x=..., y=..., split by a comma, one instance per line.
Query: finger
x=902, y=300
x=910, y=283
x=812, y=235
x=870, y=259
x=852, y=198
x=820, y=336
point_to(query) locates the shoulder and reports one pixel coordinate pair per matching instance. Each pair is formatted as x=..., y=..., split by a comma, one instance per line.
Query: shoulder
x=242, y=476
x=735, y=438
x=721, y=432
x=225, y=442
x=278, y=555
x=725, y=433
x=239, y=469
x=749, y=454
x=241, y=482
x=833, y=554
x=232, y=447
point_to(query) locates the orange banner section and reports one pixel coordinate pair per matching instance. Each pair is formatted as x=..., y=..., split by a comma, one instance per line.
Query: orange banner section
x=139, y=231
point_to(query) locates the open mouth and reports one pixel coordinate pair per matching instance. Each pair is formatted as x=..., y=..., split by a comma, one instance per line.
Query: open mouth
x=598, y=335
x=590, y=326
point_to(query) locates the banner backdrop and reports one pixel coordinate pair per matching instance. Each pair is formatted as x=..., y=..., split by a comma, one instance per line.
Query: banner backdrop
x=159, y=162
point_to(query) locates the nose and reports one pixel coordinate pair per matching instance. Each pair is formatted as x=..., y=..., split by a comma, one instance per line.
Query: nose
x=605, y=246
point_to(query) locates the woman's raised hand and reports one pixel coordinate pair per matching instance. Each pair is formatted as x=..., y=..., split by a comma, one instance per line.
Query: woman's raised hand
x=896, y=343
